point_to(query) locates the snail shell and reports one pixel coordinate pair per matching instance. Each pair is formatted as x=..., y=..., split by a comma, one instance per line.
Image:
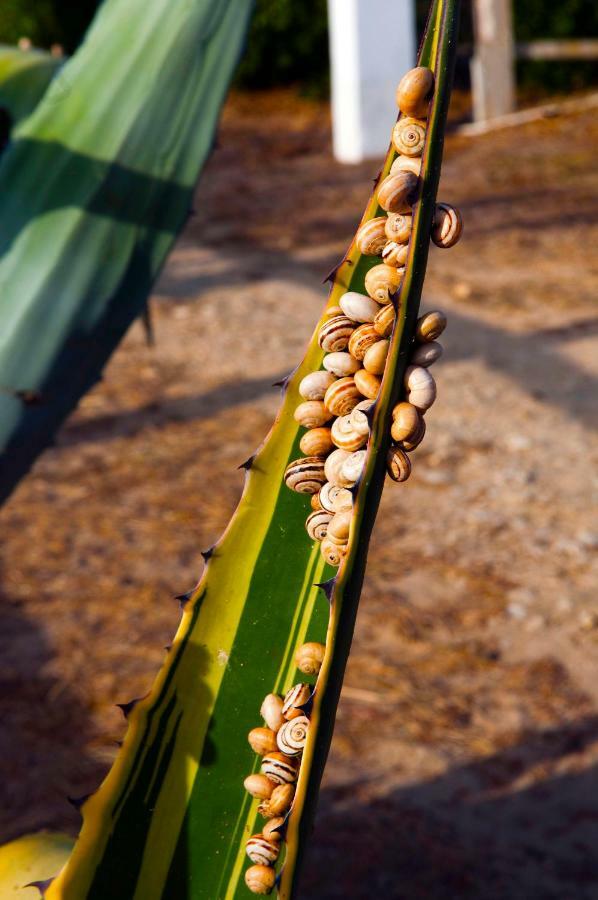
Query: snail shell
x=430, y=326
x=345, y=436
x=262, y=851
x=409, y=137
x=338, y=530
x=314, y=502
x=398, y=192
x=358, y=307
x=340, y=364
x=278, y=768
x=279, y=802
x=414, y=440
x=293, y=735
x=447, y=225
x=262, y=740
x=317, y=524
x=272, y=829
x=305, y=475
x=398, y=465
x=316, y=442
x=343, y=500
x=312, y=414
x=333, y=471
x=370, y=237
x=260, y=879
x=315, y=385
x=426, y=354
x=332, y=311
x=398, y=228
x=406, y=421
x=359, y=417
x=395, y=254
x=329, y=492
x=361, y=339
x=375, y=358
x=353, y=467
x=385, y=320
x=335, y=333
x=414, y=92
x=295, y=700
x=421, y=387
x=309, y=658
x=367, y=384
x=271, y=711
x=259, y=786
x=406, y=164
x=382, y=282
x=341, y=397
x=332, y=553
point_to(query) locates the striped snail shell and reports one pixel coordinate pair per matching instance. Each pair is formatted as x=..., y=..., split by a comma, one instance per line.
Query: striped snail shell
x=259, y=786
x=361, y=339
x=272, y=829
x=406, y=421
x=316, y=442
x=382, y=282
x=279, y=802
x=359, y=417
x=295, y=699
x=338, y=530
x=305, y=475
x=340, y=364
x=335, y=333
x=409, y=137
x=358, y=307
x=447, y=225
x=370, y=237
x=367, y=384
x=317, y=524
x=395, y=254
x=293, y=735
x=332, y=311
x=406, y=164
x=430, y=326
x=271, y=711
x=312, y=414
x=333, y=470
x=353, y=467
x=262, y=740
x=426, y=354
x=343, y=500
x=421, y=387
x=414, y=92
x=414, y=440
x=385, y=320
x=278, y=768
x=332, y=553
x=375, y=358
x=342, y=396
x=398, y=192
x=398, y=227
x=398, y=466
x=262, y=851
x=329, y=491
x=309, y=658
x=345, y=436
x=260, y=879
x=315, y=385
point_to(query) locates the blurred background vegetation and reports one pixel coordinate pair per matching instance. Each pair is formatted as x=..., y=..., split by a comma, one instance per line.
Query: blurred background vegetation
x=288, y=42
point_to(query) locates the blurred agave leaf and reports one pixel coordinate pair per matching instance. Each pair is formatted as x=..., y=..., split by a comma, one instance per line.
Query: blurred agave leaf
x=29, y=860
x=24, y=77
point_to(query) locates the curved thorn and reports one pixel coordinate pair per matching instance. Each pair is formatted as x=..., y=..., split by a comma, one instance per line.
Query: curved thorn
x=42, y=886
x=127, y=708
x=207, y=554
x=184, y=598
x=327, y=587
x=248, y=462
x=77, y=802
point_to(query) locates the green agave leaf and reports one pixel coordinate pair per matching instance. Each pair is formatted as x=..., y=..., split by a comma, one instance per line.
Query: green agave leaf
x=29, y=861
x=24, y=77
x=171, y=819
x=94, y=188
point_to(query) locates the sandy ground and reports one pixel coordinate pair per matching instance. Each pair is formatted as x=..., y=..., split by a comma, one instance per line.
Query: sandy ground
x=465, y=758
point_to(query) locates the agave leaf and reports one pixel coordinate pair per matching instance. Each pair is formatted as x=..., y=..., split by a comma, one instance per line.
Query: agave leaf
x=24, y=77
x=171, y=818
x=28, y=862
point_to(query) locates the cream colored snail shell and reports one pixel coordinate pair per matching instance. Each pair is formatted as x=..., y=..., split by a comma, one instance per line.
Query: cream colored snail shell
x=317, y=524
x=342, y=396
x=345, y=436
x=421, y=387
x=406, y=164
x=343, y=500
x=279, y=802
x=398, y=192
x=352, y=467
x=262, y=740
x=261, y=851
x=316, y=442
x=367, y=384
x=398, y=466
x=414, y=92
x=395, y=254
x=315, y=385
x=293, y=735
x=359, y=417
x=309, y=657
x=272, y=829
x=260, y=879
x=338, y=529
x=430, y=326
x=409, y=137
x=312, y=414
x=358, y=307
x=398, y=228
x=370, y=237
x=385, y=320
x=314, y=502
x=426, y=354
x=295, y=699
x=340, y=364
x=332, y=311
x=335, y=333
x=374, y=360
x=305, y=475
x=278, y=768
x=414, y=440
x=382, y=282
x=333, y=554
x=447, y=225
x=271, y=711
x=333, y=469
x=406, y=421
x=259, y=786
x=329, y=491
x=361, y=339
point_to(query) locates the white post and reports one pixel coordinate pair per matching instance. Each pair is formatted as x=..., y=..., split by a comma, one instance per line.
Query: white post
x=372, y=44
x=492, y=66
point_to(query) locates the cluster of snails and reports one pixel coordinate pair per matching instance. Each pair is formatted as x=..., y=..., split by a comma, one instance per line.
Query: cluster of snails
x=280, y=743
x=355, y=335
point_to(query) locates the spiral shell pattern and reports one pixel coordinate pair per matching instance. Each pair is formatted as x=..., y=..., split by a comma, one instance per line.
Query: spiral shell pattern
x=317, y=524
x=353, y=467
x=333, y=469
x=406, y=421
x=421, y=387
x=335, y=333
x=385, y=320
x=329, y=492
x=414, y=91
x=312, y=414
x=398, y=192
x=261, y=851
x=292, y=736
x=278, y=768
x=447, y=226
x=382, y=281
x=398, y=227
x=295, y=700
x=370, y=237
x=362, y=339
x=374, y=360
x=360, y=417
x=409, y=136
x=342, y=396
x=332, y=553
x=345, y=436
x=338, y=530
x=406, y=164
x=395, y=254
x=305, y=475
x=309, y=658
x=398, y=465
x=430, y=326
x=414, y=440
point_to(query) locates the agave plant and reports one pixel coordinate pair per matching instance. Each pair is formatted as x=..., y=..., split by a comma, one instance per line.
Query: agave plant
x=24, y=77
x=172, y=818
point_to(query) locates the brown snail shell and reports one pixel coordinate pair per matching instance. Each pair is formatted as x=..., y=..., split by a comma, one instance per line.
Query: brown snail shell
x=292, y=736
x=406, y=164
x=333, y=471
x=359, y=417
x=261, y=851
x=358, y=307
x=398, y=227
x=329, y=491
x=382, y=282
x=341, y=397
x=414, y=92
x=340, y=364
x=259, y=786
x=430, y=326
x=335, y=333
x=421, y=387
x=262, y=740
x=345, y=436
x=409, y=137
x=370, y=237
x=272, y=829
x=316, y=442
x=374, y=360
x=278, y=768
x=398, y=465
x=395, y=254
x=406, y=421
x=260, y=879
x=343, y=500
x=315, y=385
x=361, y=339
x=385, y=320
x=309, y=657
x=338, y=530
x=414, y=440
x=279, y=802
x=353, y=467
x=295, y=699
x=398, y=192
x=271, y=711
x=314, y=502
x=367, y=384
x=332, y=311
x=426, y=354
x=447, y=225
x=312, y=414
x=332, y=553
x=317, y=524
x=305, y=475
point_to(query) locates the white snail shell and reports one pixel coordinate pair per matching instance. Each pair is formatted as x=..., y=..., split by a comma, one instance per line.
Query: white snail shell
x=343, y=500
x=305, y=475
x=447, y=226
x=279, y=802
x=345, y=436
x=333, y=470
x=407, y=421
x=260, y=879
x=370, y=237
x=316, y=442
x=293, y=735
x=374, y=360
x=317, y=524
x=385, y=320
x=426, y=354
x=367, y=384
x=430, y=326
x=315, y=385
x=340, y=364
x=421, y=387
x=382, y=281
x=335, y=333
x=352, y=467
x=358, y=307
x=309, y=658
x=262, y=851
x=338, y=530
x=395, y=254
x=259, y=786
x=409, y=137
x=278, y=768
x=333, y=554
x=312, y=414
x=329, y=492
x=414, y=91
x=271, y=711
x=342, y=396
x=359, y=417
x=362, y=339
x=406, y=164
x=398, y=192
x=398, y=228
x=262, y=740
x=294, y=700
x=398, y=464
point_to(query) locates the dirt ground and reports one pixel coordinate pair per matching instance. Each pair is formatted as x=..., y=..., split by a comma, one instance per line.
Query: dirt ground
x=465, y=759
